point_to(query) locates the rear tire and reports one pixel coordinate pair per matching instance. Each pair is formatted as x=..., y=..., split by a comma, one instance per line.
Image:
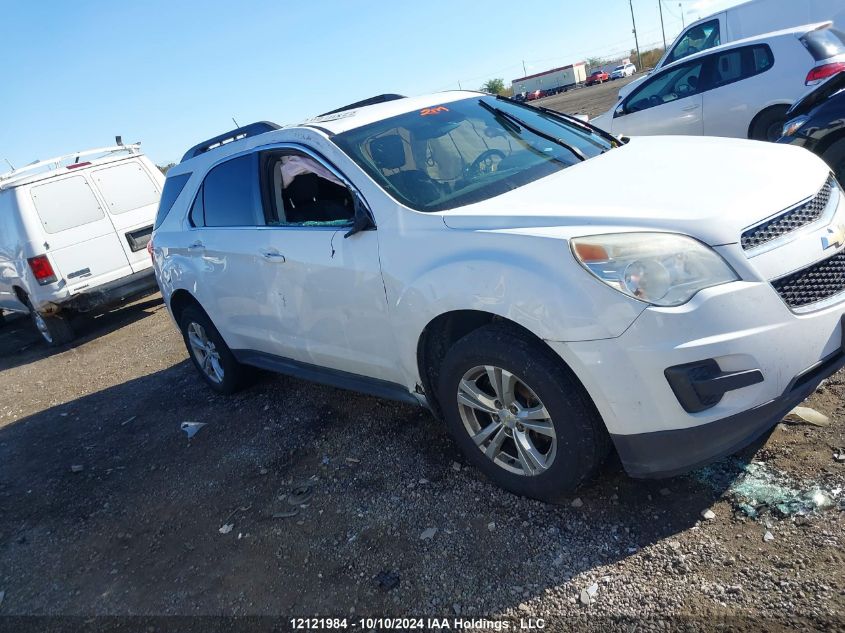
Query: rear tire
x=54, y=329
x=210, y=355
x=834, y=156
x=768, y=124
x=538, y=434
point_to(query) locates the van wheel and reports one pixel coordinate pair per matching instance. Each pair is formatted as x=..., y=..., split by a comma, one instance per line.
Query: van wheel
x=211, y=356
x=768, y=124
x=519, y=415
x=54, y=329
x=834, y=156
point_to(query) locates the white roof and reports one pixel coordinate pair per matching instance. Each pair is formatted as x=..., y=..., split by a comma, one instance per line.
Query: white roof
x=41, y=169
x=795, y=31
x=350, y=119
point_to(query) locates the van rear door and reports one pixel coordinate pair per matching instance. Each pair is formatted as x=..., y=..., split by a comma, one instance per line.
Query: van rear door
x=131, y=197
x=79, y=235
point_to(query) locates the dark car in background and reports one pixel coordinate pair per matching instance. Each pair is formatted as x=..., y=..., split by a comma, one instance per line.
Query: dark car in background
x=817, y=122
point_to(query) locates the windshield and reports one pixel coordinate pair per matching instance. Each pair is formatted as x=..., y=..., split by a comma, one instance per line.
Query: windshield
x=461, y=152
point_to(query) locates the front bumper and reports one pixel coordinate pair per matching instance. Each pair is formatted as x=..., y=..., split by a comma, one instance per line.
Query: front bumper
x=741, y=326
x=669, y=453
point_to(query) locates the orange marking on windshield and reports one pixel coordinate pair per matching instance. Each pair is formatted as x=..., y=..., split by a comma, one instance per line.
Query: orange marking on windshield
x=430, y=111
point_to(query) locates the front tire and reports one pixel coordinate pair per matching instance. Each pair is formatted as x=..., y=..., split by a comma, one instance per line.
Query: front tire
x=210, y=355
x=519, y=415
x=768, y=124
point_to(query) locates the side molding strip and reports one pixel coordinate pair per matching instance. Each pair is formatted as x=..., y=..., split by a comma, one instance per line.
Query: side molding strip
x=326, y=376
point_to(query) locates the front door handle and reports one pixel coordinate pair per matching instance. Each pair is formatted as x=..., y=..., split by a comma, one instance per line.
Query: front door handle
x=691, y=108
x=273, y=256
x=196, y=245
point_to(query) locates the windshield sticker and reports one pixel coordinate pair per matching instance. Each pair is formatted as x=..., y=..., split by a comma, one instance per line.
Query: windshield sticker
x=430, y=111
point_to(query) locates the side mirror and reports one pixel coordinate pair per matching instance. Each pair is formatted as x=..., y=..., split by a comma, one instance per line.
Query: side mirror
x=362, y=221
x=620, y=111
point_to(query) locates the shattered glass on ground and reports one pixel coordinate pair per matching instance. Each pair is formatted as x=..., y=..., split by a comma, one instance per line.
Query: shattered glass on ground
x=753, y=489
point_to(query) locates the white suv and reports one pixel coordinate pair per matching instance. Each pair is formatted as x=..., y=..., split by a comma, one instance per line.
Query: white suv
x=451, y=250
x=625, y=70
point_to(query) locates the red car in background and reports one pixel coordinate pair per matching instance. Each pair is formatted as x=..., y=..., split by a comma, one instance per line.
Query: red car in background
x=597, y=77
x=535, y=94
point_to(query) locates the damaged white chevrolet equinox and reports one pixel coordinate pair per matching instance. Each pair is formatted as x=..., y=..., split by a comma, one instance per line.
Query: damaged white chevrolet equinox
x=459, y=251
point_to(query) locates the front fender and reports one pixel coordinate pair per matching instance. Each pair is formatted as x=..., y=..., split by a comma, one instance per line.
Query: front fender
x=528, y=279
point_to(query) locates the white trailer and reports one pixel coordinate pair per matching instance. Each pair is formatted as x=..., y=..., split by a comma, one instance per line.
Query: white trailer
x=553, y=79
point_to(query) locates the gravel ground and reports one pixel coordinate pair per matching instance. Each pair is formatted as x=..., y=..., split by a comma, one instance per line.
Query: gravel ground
x=591, y=100
x=107, y=508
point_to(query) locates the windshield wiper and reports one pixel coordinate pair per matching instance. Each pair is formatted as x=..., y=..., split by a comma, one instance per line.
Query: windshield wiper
x=568, y=118
x=515, y=120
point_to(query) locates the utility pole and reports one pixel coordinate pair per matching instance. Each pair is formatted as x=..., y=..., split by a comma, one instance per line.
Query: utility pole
x=662, y=30
x=524, y=72
x=681, y=7
x=636, y=41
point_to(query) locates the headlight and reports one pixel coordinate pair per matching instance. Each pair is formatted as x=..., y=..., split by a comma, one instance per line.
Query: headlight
x=794, y=125
x=659, y=268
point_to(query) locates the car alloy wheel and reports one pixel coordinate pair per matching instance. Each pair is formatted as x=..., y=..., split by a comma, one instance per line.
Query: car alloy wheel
x=205, y=352
x=41, y=325
x=506, y=420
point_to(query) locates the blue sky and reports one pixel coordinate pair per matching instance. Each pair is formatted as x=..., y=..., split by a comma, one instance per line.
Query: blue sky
x=171, y=74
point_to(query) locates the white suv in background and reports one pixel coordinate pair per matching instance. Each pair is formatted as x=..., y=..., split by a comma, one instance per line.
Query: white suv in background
x=741, y=90
x=625, y=70
x=73, y=234
x=448, y=250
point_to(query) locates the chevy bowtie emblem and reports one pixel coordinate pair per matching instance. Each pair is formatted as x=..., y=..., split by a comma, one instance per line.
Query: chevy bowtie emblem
x=835, y=237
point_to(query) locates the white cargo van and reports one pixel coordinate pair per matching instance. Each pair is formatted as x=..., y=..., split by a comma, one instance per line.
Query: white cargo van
x=744, y=20
x=73, y=234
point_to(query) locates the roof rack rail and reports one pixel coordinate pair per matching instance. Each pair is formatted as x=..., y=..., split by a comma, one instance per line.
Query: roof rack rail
x=371, y=101
x=56, y=162
x=253, y=129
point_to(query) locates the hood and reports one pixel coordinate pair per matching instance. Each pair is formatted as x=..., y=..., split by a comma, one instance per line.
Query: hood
x=708, y=188
x=815, y=96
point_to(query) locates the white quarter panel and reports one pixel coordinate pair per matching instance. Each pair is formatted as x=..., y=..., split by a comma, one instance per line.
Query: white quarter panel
x=681, y=117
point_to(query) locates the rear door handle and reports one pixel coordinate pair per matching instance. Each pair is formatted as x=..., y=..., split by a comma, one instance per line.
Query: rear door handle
x=196, y=245
x=273, y=256
x=690, y=108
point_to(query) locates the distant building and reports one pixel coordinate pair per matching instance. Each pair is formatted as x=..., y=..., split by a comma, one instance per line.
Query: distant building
x=553, y=79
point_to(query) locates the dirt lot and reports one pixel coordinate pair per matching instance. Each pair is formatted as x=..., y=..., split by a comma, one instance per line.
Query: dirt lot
x=592, y=100
x=137, y=531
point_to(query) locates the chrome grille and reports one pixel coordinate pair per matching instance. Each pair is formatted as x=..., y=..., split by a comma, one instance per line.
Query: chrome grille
x=815, y=283
x=790, y=221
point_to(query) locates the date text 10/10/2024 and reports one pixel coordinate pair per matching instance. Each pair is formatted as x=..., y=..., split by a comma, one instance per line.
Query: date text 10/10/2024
x=423, y=624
